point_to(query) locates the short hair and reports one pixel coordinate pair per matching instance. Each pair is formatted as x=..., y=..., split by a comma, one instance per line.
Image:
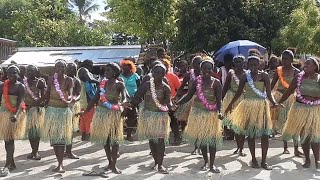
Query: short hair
x=115, y=67
x=289, y=53
x=254, y=52
x=228, y=57
x=160, y=49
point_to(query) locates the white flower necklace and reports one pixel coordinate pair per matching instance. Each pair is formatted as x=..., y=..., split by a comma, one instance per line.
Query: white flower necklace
x=25, y=82
x=234, y=76
x=163, y=108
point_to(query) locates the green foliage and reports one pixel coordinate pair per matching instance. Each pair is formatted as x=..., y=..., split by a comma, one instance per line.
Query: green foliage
x=303, y=30
x=211, y=24
x=146, y=19
x=84, y=8
x=49, y=23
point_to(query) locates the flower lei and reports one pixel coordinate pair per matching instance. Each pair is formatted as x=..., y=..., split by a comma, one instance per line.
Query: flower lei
x=104, y=99
x=25, y=82
x=299, y=95
x=204, y=101
x=234, y=76
x=254, y=89
x=163, y=108
x=281, y=78
x=57, y=87
x=7, y=99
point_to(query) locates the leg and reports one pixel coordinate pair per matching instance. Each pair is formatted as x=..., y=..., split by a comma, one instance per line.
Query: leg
x=131, y=122
x=35, y=148
x=212, y=151
x=296, y=149
x=160, y=155
x=240, y=142
x=285, y=147
x=153, y=152
x=9, y=146
x=315, y=150
x=251, y=144
x=306, y=151
x=59, y=151
x=265, y=147
x=107, y=149
x=174, y=127
x=69, y=154
x=204, y=150
x=183, y=125
x=114, y=156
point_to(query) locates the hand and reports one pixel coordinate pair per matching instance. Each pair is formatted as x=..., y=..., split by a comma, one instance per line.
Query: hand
x=174, y=107
x=126, y=105
x=79, y=114
x=13, y=118
x=220, y=116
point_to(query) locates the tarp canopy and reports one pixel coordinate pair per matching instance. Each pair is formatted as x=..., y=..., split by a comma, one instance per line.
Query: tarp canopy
x=46, y=56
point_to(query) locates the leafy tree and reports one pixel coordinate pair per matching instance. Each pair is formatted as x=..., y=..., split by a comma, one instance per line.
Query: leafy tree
x=84, y=8
x=302, y=31
x=147, y=19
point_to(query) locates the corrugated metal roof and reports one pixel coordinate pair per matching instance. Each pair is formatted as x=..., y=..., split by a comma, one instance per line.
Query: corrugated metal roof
x=7, y=40
x=48, y=55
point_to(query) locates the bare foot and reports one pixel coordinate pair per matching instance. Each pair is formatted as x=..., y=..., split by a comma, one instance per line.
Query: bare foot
x=236, y=151
x=204, y=167
x=214, y=170
x=108, y=168
x=242, y=154
x=116, y=170
x=286, y=151
x=154, y=167
x=298, y=154
x=307, y=164
x=71, y=156
x=266, y=166
x=255, y=164
x=163, y=170
x=58, y=169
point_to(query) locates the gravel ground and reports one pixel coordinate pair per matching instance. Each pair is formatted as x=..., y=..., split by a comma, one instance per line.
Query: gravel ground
x=135, y=162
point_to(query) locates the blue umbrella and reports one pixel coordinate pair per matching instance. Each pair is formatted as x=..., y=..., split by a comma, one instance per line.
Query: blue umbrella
x=238, y=47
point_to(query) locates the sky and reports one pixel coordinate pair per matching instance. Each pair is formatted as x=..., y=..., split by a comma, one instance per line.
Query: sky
x=96, y=15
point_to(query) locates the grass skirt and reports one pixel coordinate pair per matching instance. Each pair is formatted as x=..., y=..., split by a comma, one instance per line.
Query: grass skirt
x=252, y=118
x=182, y=114
x=35, y=121
x=10, y=130
x=106, y=124
x=226, y=101
x=58, y=126
x=76, y=119
x=204, y=128
x=303, y=120
x=279, y=115
x=153, y=125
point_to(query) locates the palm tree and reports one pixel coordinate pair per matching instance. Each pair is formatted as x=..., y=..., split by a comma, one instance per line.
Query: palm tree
x=84, y=8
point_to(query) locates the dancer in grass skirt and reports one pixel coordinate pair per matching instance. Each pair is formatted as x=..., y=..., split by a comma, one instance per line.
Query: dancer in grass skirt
x=107, y=123
x=303, y=117
x=153, y=122
x=12, y=116
x=184, y=110
x=229, y=90
x=204, y=127
x=71, y=71
x=35, y=96
x=252, y=116
x=58, y=117
x=284, y=76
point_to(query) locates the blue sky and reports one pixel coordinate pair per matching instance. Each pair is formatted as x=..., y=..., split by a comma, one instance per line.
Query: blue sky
x=96, y=15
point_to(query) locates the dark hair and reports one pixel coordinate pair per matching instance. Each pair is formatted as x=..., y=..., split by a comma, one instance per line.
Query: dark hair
x=86, y=62
x=116, y=68
x=254, y=52
x=254, y=58
x=161, y=49
x=288, y=53
x=228, y=57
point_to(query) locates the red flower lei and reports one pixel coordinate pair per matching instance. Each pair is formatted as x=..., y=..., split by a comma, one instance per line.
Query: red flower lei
x=7, y=99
